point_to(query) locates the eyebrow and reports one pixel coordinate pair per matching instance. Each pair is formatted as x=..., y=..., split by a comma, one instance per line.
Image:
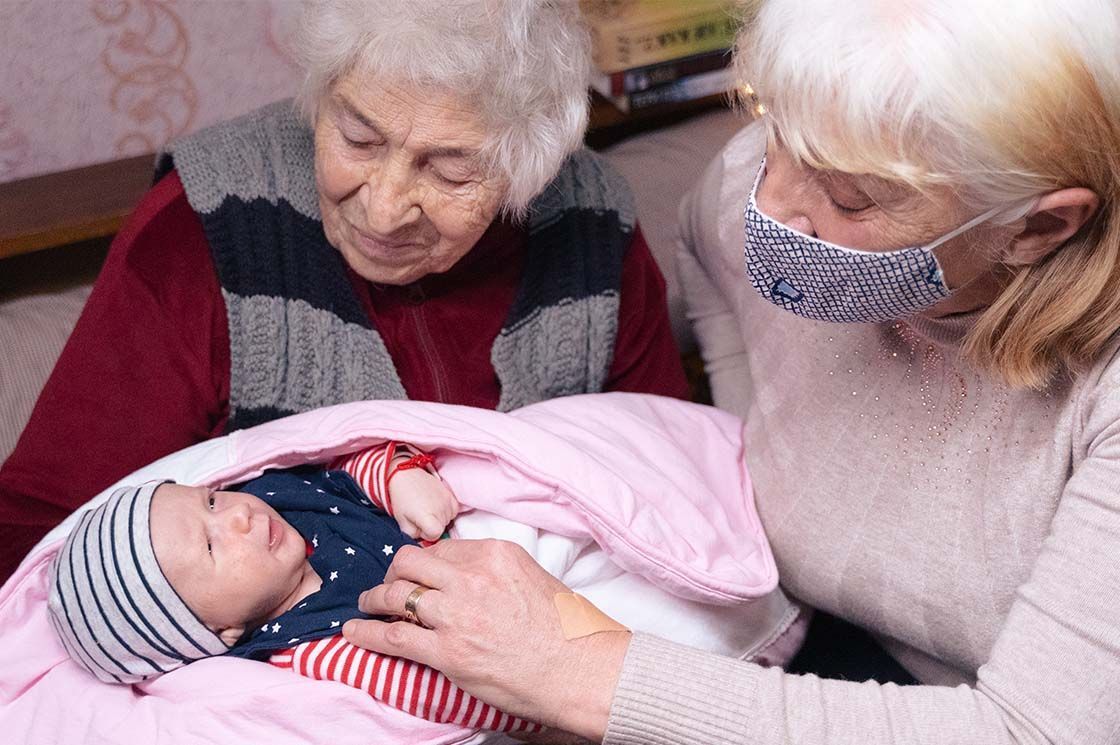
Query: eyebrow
x=436, y=152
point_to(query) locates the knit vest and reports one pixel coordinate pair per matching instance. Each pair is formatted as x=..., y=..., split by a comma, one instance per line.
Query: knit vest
x=299, y=336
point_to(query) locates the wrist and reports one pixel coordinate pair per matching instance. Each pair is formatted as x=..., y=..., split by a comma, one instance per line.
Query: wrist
x=585, y=706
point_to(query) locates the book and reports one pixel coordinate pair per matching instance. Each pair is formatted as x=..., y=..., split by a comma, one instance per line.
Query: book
x=644, y=78
x=623, y=12
x=688, y=88
x=647, y=32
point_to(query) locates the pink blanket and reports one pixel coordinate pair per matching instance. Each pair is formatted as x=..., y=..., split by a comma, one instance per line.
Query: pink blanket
x=659, y=484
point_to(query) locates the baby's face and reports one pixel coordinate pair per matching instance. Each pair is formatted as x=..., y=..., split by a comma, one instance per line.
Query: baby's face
x=233, y=560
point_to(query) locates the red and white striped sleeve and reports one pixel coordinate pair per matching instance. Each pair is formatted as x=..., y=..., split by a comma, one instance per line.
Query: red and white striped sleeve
x=400, y=683
x=370, y=469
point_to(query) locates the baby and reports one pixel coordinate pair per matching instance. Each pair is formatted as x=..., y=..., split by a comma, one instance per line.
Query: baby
x=165, y=574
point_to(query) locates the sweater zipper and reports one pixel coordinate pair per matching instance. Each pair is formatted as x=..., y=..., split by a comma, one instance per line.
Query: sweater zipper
x=427, y=344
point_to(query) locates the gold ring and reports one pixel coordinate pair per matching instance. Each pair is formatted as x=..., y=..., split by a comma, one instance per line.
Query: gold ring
x=410, y=604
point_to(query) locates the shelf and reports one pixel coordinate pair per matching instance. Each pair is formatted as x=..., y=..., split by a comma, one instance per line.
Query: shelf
x=70, y=206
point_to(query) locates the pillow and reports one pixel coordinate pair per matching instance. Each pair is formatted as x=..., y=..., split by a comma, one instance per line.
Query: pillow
x=33, y=329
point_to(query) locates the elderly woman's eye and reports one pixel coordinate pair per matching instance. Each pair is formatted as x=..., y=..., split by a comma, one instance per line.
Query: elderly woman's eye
x=850, y=208
x=451, y=181
x=360, y=143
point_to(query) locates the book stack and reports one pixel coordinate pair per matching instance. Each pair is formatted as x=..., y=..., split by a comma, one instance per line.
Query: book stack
x=648, y=53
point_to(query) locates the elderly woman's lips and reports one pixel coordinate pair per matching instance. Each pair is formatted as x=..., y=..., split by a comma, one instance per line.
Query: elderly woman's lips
x=373, y=244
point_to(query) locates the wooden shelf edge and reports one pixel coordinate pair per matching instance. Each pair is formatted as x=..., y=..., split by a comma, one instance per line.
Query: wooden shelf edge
x=66, y=207
x=62, y=235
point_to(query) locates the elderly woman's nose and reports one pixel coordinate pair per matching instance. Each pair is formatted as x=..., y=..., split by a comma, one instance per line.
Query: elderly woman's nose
x=389, y=201
x=784, y=202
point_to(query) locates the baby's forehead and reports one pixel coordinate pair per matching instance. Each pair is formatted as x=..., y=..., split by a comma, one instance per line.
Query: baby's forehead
x=171, y=490
x=174, y=491
x=169, y=512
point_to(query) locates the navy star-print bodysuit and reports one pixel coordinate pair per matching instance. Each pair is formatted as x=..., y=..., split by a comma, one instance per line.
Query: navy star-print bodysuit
x=352, y=544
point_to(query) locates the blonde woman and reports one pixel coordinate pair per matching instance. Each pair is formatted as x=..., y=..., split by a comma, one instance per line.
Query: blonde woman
x=921, y=335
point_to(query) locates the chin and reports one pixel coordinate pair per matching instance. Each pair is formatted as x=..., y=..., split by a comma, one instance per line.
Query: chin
x=395, y=279
x=388, y=275
x=380, y=272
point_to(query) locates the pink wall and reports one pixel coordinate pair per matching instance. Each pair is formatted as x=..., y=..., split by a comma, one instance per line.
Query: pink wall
x=85, y=81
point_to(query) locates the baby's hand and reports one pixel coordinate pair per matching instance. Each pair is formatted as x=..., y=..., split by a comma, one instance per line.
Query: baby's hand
x=422, y=504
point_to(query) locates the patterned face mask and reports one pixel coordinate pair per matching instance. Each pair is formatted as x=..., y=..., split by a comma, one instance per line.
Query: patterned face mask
x=825, y=282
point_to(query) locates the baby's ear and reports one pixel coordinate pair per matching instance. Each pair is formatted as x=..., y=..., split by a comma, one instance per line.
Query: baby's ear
x=230, y=636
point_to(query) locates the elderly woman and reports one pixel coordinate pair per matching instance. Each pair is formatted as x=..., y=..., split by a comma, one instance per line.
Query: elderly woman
x=435, y=233
x=923, y=343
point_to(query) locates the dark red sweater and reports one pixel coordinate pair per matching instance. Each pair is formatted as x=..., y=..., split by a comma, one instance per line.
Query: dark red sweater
x=146, y=371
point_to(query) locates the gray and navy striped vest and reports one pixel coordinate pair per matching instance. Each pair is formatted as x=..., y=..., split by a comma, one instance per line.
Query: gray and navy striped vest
x=299, y=337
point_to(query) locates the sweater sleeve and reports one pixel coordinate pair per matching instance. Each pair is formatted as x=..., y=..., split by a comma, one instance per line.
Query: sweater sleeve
x=144, y=373
x=646, y=358
x=1051, y=678
x=400, y=683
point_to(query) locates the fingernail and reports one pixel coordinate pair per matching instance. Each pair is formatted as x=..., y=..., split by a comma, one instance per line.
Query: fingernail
x=362, y=597
x=348, y=628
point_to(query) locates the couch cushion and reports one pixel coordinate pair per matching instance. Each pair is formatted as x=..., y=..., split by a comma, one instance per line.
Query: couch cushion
x=33, y=330
x=661, y=167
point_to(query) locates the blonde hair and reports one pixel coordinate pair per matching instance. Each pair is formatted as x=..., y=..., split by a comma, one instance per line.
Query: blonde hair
x=997, y=101
x=524, y=63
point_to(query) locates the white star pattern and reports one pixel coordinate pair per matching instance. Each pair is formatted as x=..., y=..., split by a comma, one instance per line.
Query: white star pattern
x=334, y=624
x=293, y=640
x=387, y=550
x=264, y=628
x=303, y=605
x=315, y=541
x=350, y=551
x=334, y=576
x=307, y=482
x=270, y=494
x=334, y=510
x=275, y=628
x=320, y=491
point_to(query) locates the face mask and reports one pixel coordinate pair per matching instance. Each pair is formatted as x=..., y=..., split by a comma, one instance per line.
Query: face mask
x=825, y=282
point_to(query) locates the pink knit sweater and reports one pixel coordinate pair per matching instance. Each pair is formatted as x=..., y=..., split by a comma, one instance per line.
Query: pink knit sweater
x=975, y=529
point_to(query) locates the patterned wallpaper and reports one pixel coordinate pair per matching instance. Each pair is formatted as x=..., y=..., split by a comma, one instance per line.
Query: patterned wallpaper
x=86, y=81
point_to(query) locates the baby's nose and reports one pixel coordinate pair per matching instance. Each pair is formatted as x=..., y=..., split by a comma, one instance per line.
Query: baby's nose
x=238, y=517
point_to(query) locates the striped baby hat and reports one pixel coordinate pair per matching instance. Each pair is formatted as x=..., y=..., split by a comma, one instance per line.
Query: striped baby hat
x=111, y=605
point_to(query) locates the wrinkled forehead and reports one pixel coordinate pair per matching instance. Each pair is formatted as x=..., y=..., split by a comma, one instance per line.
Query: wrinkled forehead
x=420, y=117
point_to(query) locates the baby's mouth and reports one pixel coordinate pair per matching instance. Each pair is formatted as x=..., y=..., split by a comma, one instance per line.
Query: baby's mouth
x=274, y=533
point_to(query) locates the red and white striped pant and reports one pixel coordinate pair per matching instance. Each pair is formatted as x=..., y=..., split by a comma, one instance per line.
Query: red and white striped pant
x=400, y=683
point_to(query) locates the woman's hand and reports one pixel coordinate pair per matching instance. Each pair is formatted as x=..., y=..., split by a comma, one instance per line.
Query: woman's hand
x=495, y=631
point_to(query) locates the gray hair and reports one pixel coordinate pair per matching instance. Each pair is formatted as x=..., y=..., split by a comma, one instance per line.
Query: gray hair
x=525, y=63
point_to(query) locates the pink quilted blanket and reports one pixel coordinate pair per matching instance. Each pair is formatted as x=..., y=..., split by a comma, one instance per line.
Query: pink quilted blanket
x=659, y=484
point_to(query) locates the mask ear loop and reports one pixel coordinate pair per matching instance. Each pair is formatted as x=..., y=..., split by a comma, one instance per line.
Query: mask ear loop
x=981, y=218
